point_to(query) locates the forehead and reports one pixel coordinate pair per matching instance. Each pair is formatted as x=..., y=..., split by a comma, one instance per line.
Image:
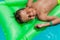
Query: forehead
x=24, y=16
x=23, y=11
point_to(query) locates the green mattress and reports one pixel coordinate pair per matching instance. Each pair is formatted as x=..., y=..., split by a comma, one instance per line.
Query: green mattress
x=20, y=31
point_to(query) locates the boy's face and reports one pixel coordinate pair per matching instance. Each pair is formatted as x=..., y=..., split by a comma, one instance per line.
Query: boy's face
x=27, y=14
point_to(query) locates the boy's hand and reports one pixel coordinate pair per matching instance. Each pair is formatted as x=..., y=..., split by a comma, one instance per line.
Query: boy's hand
x=29, y=3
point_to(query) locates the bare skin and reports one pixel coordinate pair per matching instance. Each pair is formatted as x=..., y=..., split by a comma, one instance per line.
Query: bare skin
x=41, y=8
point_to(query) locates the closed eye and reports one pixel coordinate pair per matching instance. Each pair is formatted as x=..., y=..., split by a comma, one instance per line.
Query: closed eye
x=28, y=12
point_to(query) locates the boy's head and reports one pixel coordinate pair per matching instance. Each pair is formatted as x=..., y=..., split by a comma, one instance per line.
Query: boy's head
x=25, y=14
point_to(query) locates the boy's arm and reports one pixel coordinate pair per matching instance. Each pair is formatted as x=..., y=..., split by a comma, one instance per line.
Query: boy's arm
x=46, y=18
x=29, y=4
x=53, y=22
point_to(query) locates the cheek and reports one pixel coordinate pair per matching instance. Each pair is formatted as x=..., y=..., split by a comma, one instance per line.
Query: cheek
x=24, y=17
x=34, y=12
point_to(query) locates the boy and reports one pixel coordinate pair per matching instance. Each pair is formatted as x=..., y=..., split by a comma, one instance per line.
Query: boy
x=41, y=8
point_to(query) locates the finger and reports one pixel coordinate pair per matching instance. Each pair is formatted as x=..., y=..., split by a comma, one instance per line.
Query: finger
x=38, y=26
